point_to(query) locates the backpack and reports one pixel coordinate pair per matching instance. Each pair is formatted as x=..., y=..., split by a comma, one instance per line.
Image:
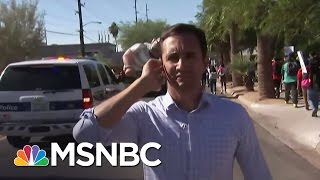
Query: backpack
x=213, y=75
x=292, y=69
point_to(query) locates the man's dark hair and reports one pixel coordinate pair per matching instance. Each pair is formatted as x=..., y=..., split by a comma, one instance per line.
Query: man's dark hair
x=277, y=59
x=291, y=57
x=187, y=28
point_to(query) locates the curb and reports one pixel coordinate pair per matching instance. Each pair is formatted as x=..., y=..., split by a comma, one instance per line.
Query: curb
x=286, y=137
x=233, y=93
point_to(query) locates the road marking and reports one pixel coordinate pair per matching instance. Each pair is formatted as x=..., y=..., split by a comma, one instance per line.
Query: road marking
x=3, y=138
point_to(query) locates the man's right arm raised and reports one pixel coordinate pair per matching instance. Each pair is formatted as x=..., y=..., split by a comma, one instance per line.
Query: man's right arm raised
x=109, y=113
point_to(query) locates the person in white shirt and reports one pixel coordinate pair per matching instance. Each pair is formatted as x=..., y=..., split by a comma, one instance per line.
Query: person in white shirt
x=213, y=80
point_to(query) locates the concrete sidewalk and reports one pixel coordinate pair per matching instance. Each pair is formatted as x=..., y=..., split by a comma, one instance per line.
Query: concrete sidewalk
x=293, y=126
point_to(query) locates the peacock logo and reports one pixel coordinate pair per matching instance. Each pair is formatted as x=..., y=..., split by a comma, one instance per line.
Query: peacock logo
x=31, y=156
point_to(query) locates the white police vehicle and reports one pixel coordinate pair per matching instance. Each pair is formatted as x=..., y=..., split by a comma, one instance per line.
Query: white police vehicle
x=46, y=97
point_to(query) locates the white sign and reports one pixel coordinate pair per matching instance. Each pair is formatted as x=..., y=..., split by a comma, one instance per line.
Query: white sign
x=71, y=150
x=303, y=66
x=288, y=50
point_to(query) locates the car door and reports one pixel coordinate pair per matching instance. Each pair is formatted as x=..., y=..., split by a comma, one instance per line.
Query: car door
x=114, y=86
x=105, y=79
x=95, y=84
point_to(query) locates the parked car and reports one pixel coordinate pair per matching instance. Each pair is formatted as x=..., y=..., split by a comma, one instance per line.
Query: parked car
x=46, y=97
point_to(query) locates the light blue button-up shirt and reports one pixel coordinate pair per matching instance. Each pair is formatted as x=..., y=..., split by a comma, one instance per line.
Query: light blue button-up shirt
x=197, y=145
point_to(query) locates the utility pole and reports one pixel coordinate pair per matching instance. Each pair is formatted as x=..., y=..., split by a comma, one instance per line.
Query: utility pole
x=45, y=29
x=147, y=11
x=136, y=12
x=45, y=35
x=82, y=50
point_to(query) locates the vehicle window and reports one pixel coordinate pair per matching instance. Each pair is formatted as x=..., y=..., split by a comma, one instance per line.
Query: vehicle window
x=40, y=77
x=103, y=74
x=111, y=75
x=92, y=75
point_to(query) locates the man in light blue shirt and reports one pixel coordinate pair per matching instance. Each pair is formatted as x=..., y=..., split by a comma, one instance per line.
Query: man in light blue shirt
x=200, y=134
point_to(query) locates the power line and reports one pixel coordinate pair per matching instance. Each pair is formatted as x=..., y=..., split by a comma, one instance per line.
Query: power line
x=90, y=39
x=93, y=15
x=69, y=34
x=62, y=33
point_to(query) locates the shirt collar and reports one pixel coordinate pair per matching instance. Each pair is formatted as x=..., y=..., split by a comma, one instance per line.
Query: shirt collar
x=169, y=103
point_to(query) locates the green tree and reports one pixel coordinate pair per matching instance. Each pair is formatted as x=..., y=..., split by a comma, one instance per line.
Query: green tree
x=297, y=21
x=21, y=31
x=238, y=16
x=221, y=19
x=142, y=31
x=114, y=30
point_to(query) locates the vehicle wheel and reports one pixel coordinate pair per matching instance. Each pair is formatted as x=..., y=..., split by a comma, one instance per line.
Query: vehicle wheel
x=18, y=141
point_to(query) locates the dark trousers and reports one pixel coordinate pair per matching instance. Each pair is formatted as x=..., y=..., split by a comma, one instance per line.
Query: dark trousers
x=213, y=85
x=299, y=88
x=203, y=80
x=276, y=85
x=223, y=81
x=314, y=98
x=305, y=97
x=291, y=88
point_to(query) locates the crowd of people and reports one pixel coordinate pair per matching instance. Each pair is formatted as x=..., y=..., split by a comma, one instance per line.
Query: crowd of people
x=212, y=75
x=298, y=79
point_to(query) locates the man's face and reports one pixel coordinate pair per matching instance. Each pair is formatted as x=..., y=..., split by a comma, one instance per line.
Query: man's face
x=183, y=60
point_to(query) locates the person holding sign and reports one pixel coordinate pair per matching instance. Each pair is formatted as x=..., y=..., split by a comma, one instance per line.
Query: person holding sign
x=303, y=78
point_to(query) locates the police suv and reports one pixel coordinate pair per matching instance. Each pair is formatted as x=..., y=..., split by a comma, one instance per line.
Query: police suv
x=46, y=97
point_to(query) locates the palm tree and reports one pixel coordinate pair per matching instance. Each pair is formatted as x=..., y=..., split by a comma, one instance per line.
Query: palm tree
x=264, y=66
x=114, y=30
x=234, y=32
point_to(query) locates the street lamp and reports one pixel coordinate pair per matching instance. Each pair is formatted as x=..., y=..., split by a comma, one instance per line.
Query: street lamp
x=92, y=22
x=81, y=35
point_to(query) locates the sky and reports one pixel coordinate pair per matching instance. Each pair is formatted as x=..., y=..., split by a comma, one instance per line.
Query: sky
x=60, y=16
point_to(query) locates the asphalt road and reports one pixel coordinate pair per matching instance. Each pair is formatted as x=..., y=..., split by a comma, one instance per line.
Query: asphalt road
x=284, y=164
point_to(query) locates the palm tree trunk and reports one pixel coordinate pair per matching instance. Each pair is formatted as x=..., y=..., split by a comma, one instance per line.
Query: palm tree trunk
x=227, y=60
x=236, y=78
x=265, y=84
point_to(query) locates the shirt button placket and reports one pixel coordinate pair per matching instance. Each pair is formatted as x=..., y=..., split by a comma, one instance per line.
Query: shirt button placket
x=189, y=121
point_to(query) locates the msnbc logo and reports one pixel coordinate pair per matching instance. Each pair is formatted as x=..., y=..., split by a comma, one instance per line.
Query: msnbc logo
x=31, y=156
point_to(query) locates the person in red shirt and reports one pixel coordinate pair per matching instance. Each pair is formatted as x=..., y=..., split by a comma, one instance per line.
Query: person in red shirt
x=276, y=75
